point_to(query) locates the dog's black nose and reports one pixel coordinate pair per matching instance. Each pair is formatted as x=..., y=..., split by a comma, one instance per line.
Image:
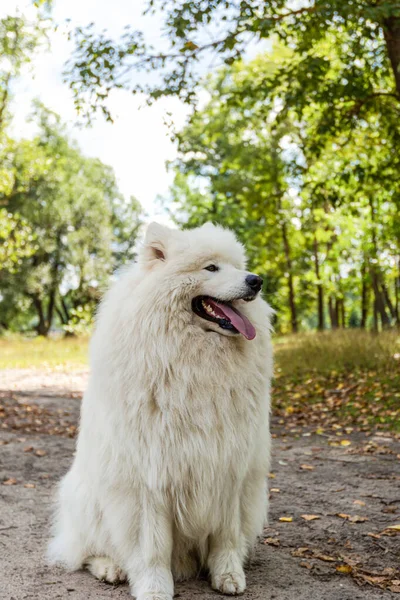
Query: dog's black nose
x=254, y=282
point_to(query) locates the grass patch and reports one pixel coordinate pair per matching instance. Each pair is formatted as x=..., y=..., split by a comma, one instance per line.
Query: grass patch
x=17, y=352
x=336, y=350
x=338, y=379
x=322, y=380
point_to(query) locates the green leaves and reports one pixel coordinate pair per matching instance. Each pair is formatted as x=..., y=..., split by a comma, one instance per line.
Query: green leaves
x=66, y=228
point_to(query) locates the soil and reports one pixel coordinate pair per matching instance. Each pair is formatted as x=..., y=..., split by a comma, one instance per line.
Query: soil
x=352, y=485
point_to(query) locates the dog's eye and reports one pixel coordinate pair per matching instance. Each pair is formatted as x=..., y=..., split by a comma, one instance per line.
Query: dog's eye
x=212, y=268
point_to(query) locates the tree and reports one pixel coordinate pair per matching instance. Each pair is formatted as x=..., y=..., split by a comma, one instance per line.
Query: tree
x=19, y=39
x=304, y=215
x=74, y=210
x=362, y=76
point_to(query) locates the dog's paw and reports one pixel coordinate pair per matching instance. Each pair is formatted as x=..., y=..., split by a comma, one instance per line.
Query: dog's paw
x=105, y=569
x=229, y=583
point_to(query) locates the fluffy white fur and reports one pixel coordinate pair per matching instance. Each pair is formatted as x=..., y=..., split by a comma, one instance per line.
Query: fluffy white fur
x=173, y=450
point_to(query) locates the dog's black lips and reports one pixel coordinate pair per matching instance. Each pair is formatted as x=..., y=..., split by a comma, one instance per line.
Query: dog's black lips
x=197, y=307
x=224, y=314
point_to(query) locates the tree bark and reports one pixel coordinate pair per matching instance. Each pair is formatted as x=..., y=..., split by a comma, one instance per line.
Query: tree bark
x=320, y=289
x=342, y=313
x=41, y=328
x=333, y=312
x=364, y=297
x=376, y=275
x=289, y=266
x=391, y=32
x=396, y=294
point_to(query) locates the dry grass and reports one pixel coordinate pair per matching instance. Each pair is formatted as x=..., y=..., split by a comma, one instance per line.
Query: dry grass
x=23, y=353
x=344, y=350
x=294, y=355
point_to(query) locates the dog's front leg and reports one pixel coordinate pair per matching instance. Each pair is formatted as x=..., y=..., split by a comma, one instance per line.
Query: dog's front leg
x=154, y=582
x=225, y=560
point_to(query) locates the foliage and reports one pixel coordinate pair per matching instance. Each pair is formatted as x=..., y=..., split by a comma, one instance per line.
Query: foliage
x=73, y=211
x=361, y=75
x=19, y=40
x=321, y=226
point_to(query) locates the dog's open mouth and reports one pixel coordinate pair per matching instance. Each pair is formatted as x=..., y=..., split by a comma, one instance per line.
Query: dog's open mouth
x=224, y=314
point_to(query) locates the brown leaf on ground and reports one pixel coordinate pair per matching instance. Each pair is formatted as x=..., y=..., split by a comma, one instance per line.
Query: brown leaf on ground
x=306, y=565
x=29, y=485
x=310, y=517
x=307, y=467
x=10, y=481
x=40, y=452
x=28, y=449
x=345, y=569
x=272, y=541
x=300, y=552
x=357, y=519
x=286, y=519
x=323, y=557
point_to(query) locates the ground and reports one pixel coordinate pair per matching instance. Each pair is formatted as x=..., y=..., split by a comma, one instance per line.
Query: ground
x=334, y=518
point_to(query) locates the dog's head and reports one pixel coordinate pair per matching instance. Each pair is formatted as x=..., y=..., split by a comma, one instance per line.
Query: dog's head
x=201, y=273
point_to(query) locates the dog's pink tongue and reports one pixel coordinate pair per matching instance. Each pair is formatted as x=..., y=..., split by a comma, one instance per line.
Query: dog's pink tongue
x=238, y=320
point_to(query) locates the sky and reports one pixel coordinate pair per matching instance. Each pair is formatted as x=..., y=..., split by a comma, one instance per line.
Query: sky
x=137, y=144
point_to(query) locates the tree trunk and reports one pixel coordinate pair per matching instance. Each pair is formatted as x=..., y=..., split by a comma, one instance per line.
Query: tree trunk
x=396, y=295
x=342, y=314
x=289, y=266
x=375, y=326
x=376, y=275
x=42, y=327
x=320, y=290
x=388, y=301
x=364, y=297
x=391, y=32
x=333, y=312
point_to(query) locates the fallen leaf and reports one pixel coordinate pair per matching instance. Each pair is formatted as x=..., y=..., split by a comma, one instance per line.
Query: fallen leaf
x=28, y=449
x=310, y=517
x=374, y=580
x=276, y=490
x=10, y=481
x=323, y=557
x=272, y=541
x=394, y=527
x=300, y=552
x=374, y=535
x=307, y=467
x=357, y=519
x=344, y=569
x=345, y=442
x=40, y=452
x=359, y=502
x=29, y=485
x=395, y=589
x=306, y=565
x=343, y=515
x=286, y=519
x=272, y=475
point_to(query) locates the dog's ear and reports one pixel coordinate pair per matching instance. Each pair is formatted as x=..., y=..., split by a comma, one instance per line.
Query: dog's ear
x=155, y=246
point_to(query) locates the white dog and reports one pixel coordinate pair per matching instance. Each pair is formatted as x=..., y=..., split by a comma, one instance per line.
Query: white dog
x=170, y=471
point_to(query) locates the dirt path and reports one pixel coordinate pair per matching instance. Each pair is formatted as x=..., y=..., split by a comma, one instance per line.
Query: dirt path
x=347, y=553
